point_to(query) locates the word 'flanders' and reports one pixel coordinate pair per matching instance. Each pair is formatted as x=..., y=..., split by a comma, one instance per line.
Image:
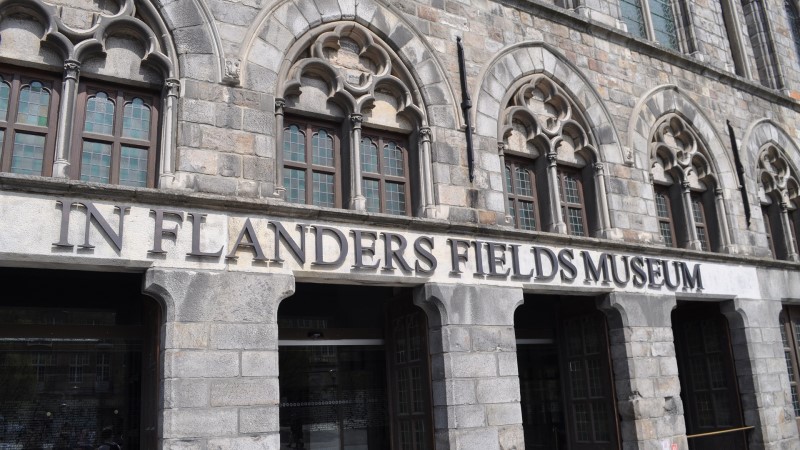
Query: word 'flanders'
x=390, y=252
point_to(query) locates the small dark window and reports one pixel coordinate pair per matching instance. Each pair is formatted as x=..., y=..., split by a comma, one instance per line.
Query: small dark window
x=311, y=164
x=572, y=204
x=28, y=111
x=118, y=137
x=522, y=204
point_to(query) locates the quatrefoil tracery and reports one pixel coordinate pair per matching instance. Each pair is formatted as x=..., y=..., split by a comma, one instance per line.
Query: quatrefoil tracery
x=677, y=156
x=776, y=177
x=358, y=70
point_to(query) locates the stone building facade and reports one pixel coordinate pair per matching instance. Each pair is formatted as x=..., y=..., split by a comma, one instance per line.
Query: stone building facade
x=260, y=225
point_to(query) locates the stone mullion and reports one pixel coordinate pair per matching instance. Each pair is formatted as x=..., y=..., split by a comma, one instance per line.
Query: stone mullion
x=557, y=224
x=357, y=201
x=691, y=226
x=66, y=119
x=786, y=230
x=167, y=170
x=279, y=190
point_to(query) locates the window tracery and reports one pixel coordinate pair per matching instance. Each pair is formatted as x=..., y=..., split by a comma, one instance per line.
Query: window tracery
x=546, y=140
x=349, y=77
x=688, y=196
x=779, y=193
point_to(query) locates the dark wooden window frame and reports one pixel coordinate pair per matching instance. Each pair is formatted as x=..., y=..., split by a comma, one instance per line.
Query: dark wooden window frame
x=308, y=127
x=381, y=138
x=514, y=163
x=18, y=80
x=696, y=198
x=120, y=96
x=565, y=206
x=670, y=219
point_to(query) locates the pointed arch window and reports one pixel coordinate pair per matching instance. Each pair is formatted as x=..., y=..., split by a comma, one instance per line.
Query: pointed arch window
x=687, y=195
x=553, y=176
x=348, y=76
x=117, y=142
x=28, y=109
x=793, y=15
x=779, y=193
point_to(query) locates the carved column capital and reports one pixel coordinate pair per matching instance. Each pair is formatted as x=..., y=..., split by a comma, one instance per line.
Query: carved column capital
x=72, y=69
x=685, y=185
x=172, y=86
x=425, y=134
x=718, y=192
x=501, y=148
x=279, y=105
x=784, y=206
x=599, y=168
x=356, y=120
x=551, y=159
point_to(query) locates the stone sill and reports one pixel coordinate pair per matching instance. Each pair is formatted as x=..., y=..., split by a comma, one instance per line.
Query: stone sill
x=179, y=199
x=548, y=11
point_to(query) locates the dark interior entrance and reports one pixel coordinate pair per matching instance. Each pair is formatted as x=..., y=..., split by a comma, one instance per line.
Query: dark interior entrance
x=79, y=360
x=709, y=388
x=354, y=370
x=565, y=374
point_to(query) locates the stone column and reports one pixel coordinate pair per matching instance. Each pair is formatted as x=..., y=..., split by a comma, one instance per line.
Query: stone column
x=220, y=347
x=602, y=200
x=66, y=118
x=427, y=176
x=557, y=224
x=280, y=190
x=722, y=221
x=645, y=370
x=761, y=371
x=691, y=226
x=476, y=398
x=786, y=229
x=171, y=90
x=358, y=202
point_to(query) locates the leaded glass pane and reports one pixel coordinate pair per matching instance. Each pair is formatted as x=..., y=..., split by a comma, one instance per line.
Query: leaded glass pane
x=393, y=160
x=294, y=144
x=632, y=16
x=600, y=419
x=583, y=425
x=571, y=189
x=2, y=139
x=371, y=191
x=28, y=153
x=369, y=156
x=5, y=92
x=395, y=198
x=34, y=103
x=661, y=206
x=508, y=180
x=322, y=148
x=664, y=23
x=527, y=216
x=795, y=401
x=99, y=114
x=594, y=369
x=133, y=167
x=96, y=162
x=697, y=212
x=523, y=186
x=666, y=233
x=136, y=120
x=295, y=183
x=701, y=235
x=575, y=218
x=323, y=189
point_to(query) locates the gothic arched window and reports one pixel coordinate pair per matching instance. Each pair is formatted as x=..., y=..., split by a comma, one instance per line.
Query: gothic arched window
x=779, y=193
x=554, y=179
